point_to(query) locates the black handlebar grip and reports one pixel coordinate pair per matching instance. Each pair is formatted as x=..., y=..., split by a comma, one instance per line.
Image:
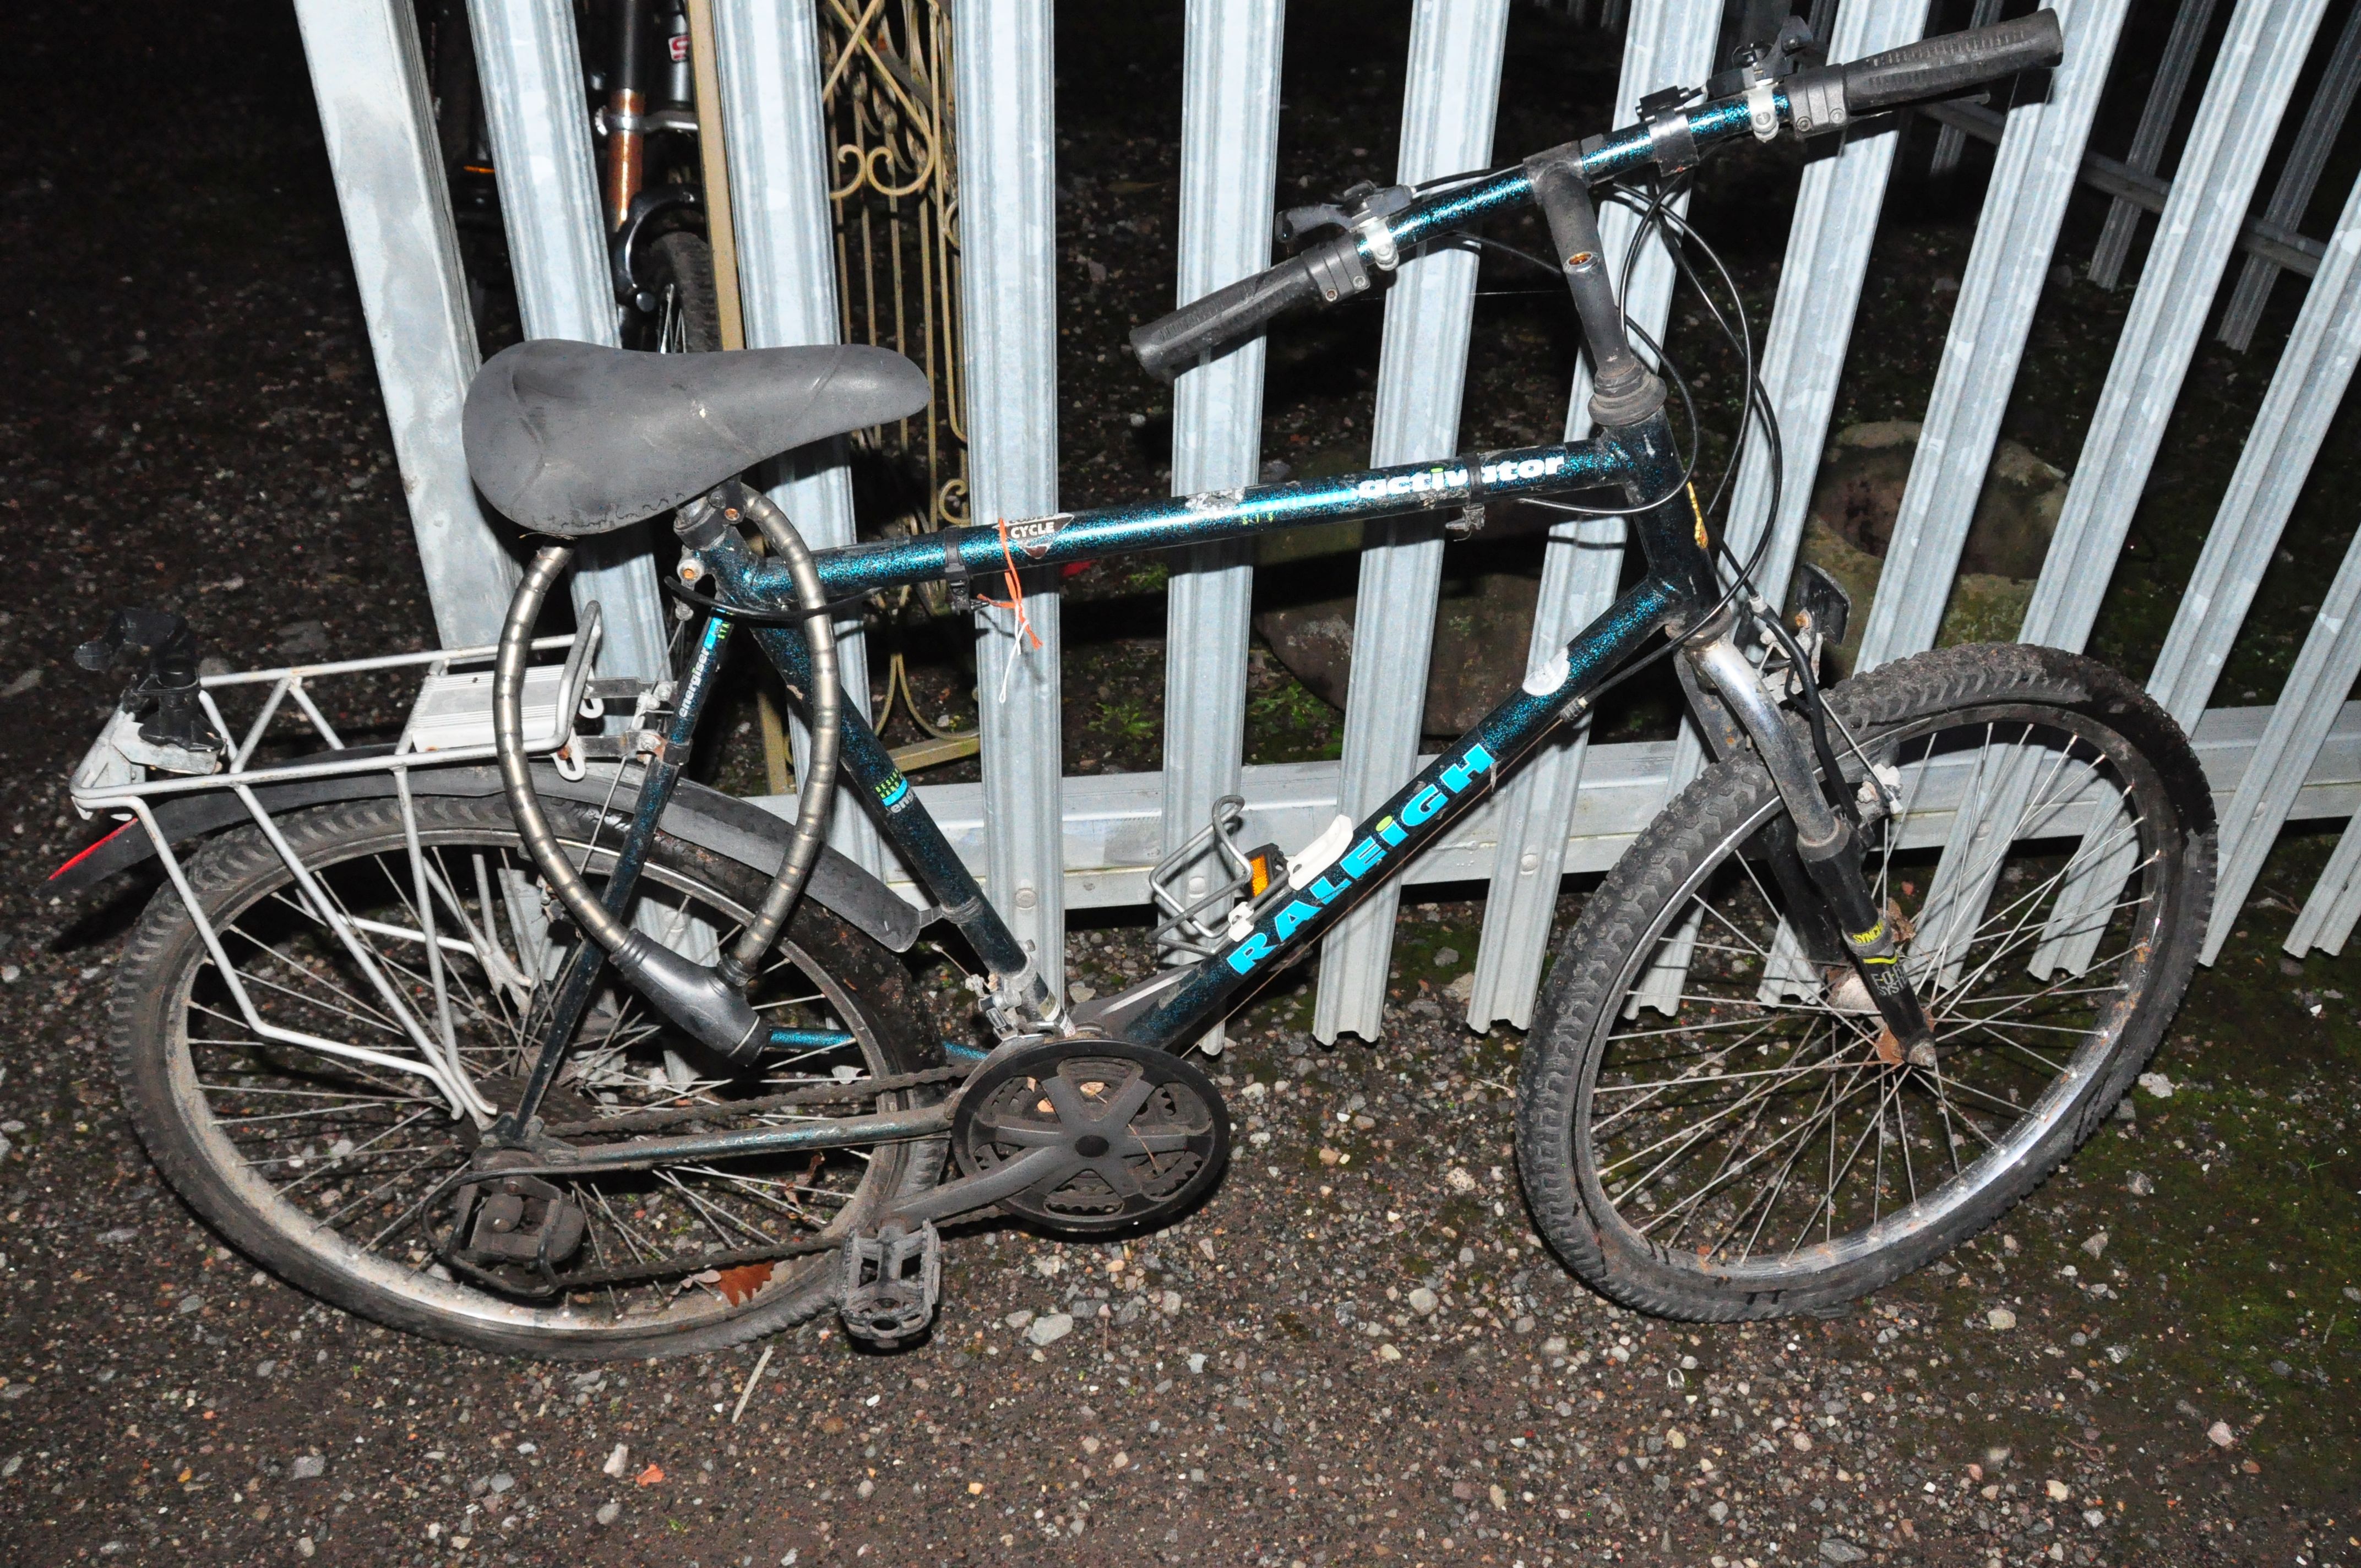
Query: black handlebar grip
x=1168, y=344
x=1936, y=67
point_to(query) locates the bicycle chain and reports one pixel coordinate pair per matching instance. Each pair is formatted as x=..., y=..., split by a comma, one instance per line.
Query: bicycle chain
x=857, y=1090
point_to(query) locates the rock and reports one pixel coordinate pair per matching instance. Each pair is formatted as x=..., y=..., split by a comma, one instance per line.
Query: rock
x=2126, y=1110
x=1422, y=1301
x=1197, y=1362
x=1462, y=989
x=118, y=1235
x=190, y=1303
x=1553, y=1345
x=1859, y=494
x=618, y=1463
x=499, y=1482
x=2059, y=1491
x=609, y=1512
x=1458, y=1180
x=1019, y=1318
x=23, y=683
x=2155, y=1083
x=1675, y=1438
x=2220, y=1435
x=304, y=1547
x=1718, y=1512
x=1050, y=1328
x=1169, y=1303
x=1446, y=957
x=1388, y=1353
x=2139, y=1186
x=2001, y=1318
x=1836, y=1549
x=303, y=639
x=2095, y=1243
x=308, y=1467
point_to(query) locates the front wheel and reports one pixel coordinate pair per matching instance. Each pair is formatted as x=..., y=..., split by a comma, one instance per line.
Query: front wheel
x=1707, y=1126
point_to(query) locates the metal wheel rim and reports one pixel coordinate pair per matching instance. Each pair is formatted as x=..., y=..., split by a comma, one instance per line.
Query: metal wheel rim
x=1927, y=1211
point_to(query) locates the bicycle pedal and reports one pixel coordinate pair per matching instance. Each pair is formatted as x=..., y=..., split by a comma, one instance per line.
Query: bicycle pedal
x=892, y=1281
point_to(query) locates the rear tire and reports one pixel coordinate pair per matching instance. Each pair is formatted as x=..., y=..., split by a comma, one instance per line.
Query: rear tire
x=1699, y=1143
x=300, y=1159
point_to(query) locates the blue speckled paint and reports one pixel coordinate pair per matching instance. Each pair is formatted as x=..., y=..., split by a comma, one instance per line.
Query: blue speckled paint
x=810, y=1040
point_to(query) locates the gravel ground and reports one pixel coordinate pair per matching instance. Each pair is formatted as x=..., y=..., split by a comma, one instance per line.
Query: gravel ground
x=1353, y=1354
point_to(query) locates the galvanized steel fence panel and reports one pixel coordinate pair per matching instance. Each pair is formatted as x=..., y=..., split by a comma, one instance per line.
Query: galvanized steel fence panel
x=1229, y=173
x=768, y=52
x=1454, y=84
x=1042, y=842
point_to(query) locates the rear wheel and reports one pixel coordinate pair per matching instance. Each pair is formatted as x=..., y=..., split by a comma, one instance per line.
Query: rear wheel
x=1708, y=1127
x=332, y=1162
x=676, y=271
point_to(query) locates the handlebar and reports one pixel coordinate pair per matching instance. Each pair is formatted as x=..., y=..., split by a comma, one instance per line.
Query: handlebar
x=1806, y=102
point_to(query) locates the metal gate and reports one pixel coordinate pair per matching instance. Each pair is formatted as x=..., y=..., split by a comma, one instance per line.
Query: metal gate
x=1044, y=843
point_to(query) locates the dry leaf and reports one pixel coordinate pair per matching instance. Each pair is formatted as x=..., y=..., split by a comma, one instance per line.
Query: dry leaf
x=740, y=1284
x=651, y=1476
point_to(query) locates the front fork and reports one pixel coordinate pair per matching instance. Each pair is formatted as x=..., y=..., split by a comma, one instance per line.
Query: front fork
x=1826, y=845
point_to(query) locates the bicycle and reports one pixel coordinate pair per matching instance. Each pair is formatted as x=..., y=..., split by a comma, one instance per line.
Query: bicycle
x=447, y=1034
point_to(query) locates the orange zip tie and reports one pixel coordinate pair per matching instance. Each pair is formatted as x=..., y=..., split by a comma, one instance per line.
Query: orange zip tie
x=1014, y=602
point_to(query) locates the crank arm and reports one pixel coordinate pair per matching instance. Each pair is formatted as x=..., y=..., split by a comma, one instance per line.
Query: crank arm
x=1034, y=1167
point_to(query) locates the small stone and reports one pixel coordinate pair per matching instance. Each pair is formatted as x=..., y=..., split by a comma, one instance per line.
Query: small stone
x=1091, y=1445
x=1675, y=1438
x=2155, y=1083
x=1197, y=1362
x=2281, y=1369
x=1388, y=1353
x=1836, y=1549
x=1330, y=1155
x=1462, y=988
x=1446, y=957
x=609, y=1512
x=2001, y=1318
x=866, y=1487
x=118, y=1235
x=1050, y=1328
x=1169, y=1303
x=2095, y=1243
x=2095, y=1518
x=2220, y=1435
x=2139, y=1186
x=190, y=1303
x=2059, y=1491
x=308, y=1466
x=1553, y=1345
x=500, y=1481
x=1423, y=1301
x=619, y=1462
x=1458, y=1180
x=2126, y=1110
x=304, y=1547
x=1802, y=1440
x=1718, y=1512
x=1019, y=1318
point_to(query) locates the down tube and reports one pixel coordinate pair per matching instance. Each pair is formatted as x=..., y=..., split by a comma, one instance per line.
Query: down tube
x=1414, y=818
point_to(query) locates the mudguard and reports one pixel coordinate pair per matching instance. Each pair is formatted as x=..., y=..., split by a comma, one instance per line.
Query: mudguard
x=697, y=814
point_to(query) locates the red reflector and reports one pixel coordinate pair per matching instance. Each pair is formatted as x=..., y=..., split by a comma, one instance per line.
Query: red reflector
x=94, y=848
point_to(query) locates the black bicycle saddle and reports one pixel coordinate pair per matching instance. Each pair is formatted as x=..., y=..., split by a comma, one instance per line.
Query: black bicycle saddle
x=573, y=438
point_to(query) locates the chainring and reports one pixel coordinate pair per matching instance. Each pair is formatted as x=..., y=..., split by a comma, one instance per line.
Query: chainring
x=1145, y=1131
